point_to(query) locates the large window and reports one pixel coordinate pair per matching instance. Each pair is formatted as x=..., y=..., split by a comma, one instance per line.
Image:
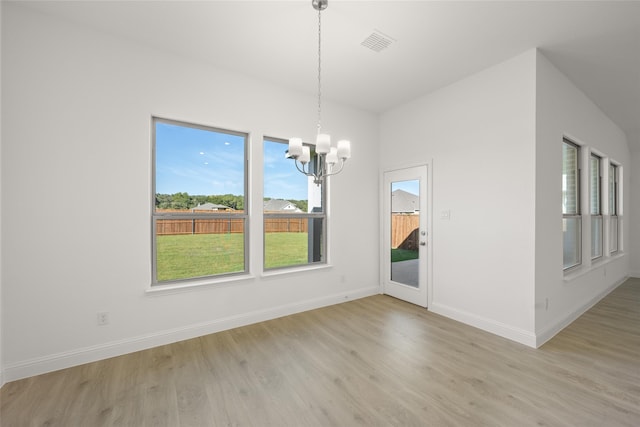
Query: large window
x=595, y=205
x=613, y=208
x=199, y=207
x=571, y=218
x=294, y=213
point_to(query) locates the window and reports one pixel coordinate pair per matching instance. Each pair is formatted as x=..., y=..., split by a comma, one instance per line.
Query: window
x=571, y=218
x=294, y=213
x=199, y=215
x=595, y=205
x=613, y=208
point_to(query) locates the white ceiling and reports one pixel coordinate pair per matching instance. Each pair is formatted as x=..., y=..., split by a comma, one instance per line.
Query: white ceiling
x=595, y=43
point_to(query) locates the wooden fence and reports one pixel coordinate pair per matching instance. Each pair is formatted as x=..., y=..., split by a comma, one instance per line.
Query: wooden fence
x=404, y=228
x=227, y=225
x=288, y=225
x=199, y=226
x=404, y=231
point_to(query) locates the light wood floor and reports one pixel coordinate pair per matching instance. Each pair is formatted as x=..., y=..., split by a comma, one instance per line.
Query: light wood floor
x=371, y=362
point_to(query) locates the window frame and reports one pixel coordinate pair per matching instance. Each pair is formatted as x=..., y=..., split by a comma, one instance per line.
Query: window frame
x=614, y=207
x=577, y=215
x=595, y=205
x=312, y=217
x=157, y=216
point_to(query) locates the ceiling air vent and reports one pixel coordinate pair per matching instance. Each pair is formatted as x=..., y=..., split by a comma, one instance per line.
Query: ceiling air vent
x=377, y=41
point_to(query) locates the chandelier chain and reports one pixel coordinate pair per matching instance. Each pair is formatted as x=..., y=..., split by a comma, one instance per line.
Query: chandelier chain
x=319, y=72
x=326, y=159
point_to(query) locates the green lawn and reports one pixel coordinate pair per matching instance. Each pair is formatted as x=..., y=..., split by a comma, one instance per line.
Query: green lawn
x=284, y=249
x=197, y=255
x=403, y=255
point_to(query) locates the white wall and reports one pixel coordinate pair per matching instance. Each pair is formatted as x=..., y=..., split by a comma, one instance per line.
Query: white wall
x=480, y=135
x=562, y=109
x=634, y=207
x=1, y=273
x=76, y=191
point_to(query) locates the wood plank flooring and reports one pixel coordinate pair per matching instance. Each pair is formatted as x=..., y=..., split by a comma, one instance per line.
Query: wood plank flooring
x=372, y=362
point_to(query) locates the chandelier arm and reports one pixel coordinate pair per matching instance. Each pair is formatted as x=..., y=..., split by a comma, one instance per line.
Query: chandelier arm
x=336, y=172
x=302, y=170
x=320, y=167
x=298, y=167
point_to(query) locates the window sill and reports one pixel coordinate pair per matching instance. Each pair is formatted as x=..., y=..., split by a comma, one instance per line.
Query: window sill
x=172, y=288
x=573, y=274
x=293, y=270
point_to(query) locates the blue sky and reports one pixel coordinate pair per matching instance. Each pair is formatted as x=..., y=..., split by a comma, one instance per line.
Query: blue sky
x=198, y=161
x=204, y=162
x=281, y=178
x=412, y=187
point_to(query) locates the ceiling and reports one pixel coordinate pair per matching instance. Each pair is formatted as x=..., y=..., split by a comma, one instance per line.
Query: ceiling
x=435, y=43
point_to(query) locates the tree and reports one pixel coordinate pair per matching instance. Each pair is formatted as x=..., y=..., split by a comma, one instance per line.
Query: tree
x=184, y=201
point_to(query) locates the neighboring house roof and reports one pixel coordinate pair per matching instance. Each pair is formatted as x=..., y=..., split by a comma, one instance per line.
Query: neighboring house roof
x=279, y=205
x=404, y=202
x=211, y=207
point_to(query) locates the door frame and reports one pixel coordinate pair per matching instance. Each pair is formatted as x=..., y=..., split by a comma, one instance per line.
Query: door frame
x=422, y=295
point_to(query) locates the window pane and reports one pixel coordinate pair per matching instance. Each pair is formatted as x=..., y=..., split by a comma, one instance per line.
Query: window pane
x=190, y=248
x=613, y=208
x=571, y=221
x=294, y=220
x=613, y=240
x=594, y=185
x=570, y=203
x=193, y=161
x=571, y=242
x=199, y=205
x=596, y=236
x=613, y=188
x=284, y=183
x=292, y=242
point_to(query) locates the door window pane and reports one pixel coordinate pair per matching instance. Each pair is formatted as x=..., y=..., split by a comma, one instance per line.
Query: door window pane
x=405, y=225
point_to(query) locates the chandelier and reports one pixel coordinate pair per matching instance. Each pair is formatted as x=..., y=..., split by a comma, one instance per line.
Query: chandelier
x=328, y=159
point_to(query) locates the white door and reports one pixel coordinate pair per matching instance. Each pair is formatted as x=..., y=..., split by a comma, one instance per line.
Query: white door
x=406, y=224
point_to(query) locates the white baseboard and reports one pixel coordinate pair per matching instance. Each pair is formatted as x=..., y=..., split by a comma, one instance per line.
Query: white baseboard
x=506, y=331
x=635, y=274
x=551, y=331
x=81, y=356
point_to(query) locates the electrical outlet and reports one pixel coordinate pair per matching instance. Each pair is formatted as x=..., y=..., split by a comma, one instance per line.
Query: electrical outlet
x=103, y=318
